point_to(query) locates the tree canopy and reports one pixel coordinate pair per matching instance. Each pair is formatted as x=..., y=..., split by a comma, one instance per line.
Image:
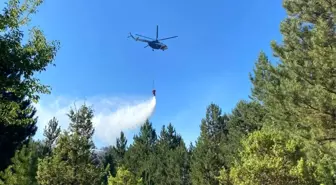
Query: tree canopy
x=284, y=134
x=19, y=62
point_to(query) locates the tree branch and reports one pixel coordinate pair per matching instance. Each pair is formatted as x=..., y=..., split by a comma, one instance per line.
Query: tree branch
x=325, y=88
x=330, y=139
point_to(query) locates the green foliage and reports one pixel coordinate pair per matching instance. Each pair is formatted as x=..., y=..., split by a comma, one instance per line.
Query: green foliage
x=140, y=157
x=220, y=141
x=114, y=156
x=51, y=133
x=124, y=177
x=207, y=159
x=109, y=161
x=13, y=136
x=16, y=15
x=120, y=148
x=172, y=166
x=272, y=158
x=299, y=92
x=71, y=162
x=24, y=168
x=244, y=119
x=299, y=98
x=285, y=135
x=19, y=62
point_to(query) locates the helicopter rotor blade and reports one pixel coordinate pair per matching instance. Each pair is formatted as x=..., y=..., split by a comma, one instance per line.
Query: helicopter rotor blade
x=146, y=46
x=168, y=38
x=157, y=32
x=142, y=40
x=144, y=36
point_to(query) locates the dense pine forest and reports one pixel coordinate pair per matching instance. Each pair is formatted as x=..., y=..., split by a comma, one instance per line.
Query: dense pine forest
x=285, y=134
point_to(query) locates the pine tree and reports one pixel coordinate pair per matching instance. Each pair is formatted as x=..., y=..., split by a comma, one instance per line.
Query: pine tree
x=271, y=158
x=171, y=168
x=299, y=98
x=301, y=89
x=140, y=157
x=187, y=166
x=23, y=169
x=244, y=119
x=207, y=160
x=13, y=136
x=120, y=148
x=19, y=62
x=114, y=156
x=51, y=133
x=109, y=162
x=72, y=159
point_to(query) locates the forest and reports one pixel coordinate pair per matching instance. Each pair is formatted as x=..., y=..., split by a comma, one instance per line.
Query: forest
x=284, y=134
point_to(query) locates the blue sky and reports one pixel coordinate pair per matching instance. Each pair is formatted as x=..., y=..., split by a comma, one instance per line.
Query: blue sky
x=217, y=45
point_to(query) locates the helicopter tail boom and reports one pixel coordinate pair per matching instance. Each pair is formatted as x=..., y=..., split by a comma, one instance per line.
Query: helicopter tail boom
x=137, y=38
x=130, y=35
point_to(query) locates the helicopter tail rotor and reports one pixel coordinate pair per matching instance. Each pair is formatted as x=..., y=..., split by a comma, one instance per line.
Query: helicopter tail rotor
x=130, y=35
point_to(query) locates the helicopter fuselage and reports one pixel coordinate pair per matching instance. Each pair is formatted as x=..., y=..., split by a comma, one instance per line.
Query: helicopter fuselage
x=157, y=45
x=153, y=43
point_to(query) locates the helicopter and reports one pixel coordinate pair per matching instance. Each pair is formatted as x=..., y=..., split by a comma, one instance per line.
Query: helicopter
x=153, y=43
